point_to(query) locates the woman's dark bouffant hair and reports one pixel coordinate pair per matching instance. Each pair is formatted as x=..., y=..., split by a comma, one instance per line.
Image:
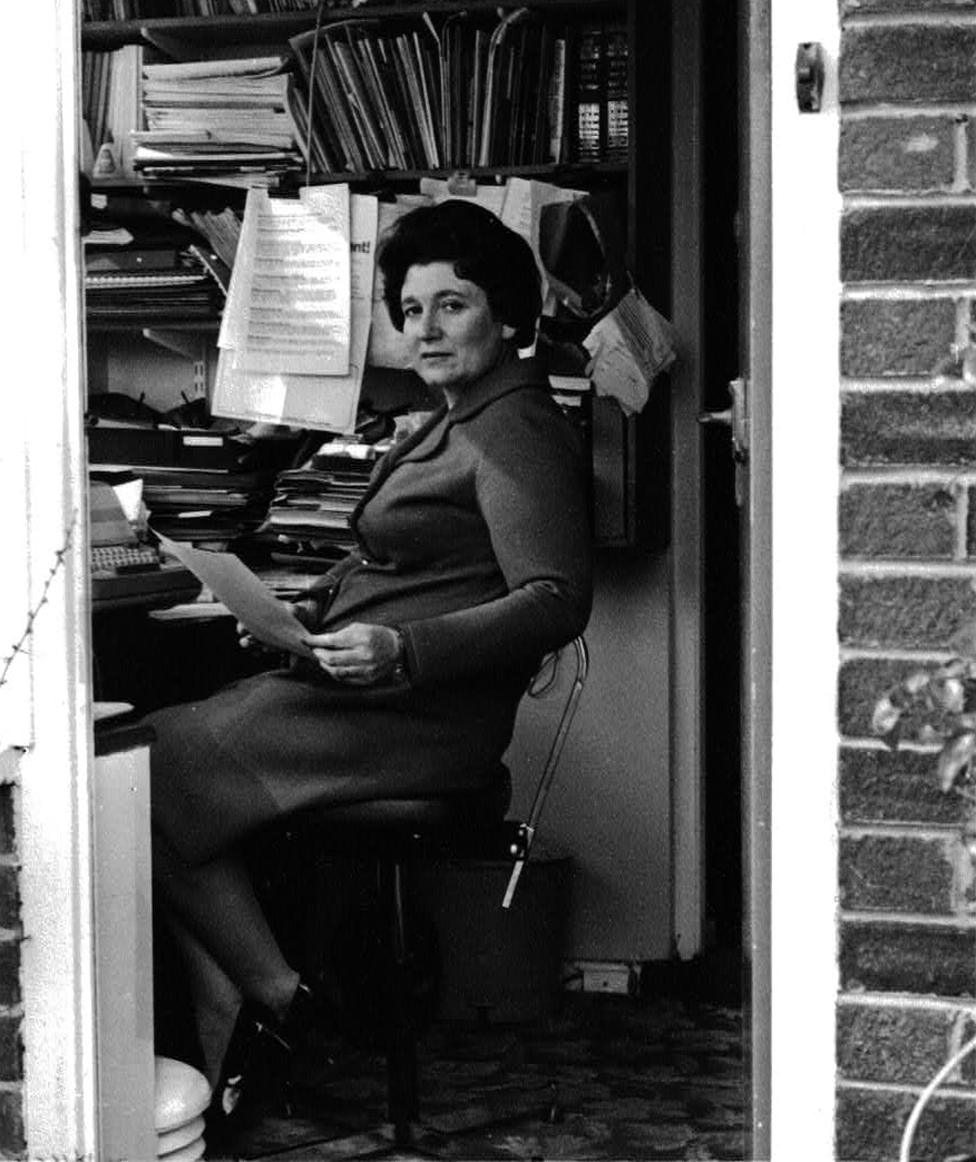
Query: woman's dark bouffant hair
x=482, y=249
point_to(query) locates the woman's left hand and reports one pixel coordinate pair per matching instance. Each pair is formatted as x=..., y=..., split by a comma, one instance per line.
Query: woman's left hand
x=358, y=654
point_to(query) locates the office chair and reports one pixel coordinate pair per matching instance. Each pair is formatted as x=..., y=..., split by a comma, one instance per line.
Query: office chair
x=393, y=834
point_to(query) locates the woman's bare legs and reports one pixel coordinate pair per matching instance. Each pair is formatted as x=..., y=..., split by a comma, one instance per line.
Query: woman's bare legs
x=215, y=902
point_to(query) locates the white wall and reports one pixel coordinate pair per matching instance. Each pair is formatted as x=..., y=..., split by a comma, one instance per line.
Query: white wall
x=40, y=338
x=610, y=805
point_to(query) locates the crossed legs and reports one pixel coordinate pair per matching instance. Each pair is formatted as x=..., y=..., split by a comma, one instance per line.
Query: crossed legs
x=223, y=931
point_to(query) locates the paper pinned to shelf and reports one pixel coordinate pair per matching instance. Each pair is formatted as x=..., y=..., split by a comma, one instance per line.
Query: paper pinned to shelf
x=521, y=210
x=288, y=309
x=630, y=346
x=271, y=621
x=489, y=195
x=307, y=400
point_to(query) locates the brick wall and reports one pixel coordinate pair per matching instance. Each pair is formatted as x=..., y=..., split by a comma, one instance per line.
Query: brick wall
x=907, y=886
x=12, y=1143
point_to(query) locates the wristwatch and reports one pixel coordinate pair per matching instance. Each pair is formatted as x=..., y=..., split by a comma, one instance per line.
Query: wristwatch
x=400, y=662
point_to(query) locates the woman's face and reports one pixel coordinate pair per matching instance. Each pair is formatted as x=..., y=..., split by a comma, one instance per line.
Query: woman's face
x=453, y=335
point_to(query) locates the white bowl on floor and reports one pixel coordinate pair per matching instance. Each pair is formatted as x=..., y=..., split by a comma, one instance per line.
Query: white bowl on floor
x=172, y=1140
x=189, y=1153
x=182, y=1096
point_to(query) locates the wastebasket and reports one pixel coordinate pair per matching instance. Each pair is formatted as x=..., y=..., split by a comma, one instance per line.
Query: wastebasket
x=497, y=964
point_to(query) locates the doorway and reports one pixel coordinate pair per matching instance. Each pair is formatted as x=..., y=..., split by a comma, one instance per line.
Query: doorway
x=707, y=306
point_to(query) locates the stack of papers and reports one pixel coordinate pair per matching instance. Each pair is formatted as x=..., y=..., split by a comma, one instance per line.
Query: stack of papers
x=206, y=119
x=197, y=485
x=177, y=289
x=309, y=515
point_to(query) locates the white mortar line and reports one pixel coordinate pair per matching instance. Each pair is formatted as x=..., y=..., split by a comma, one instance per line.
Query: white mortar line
x=909, y=19
x=914, y=199
x=878, y=110
x=961, y=515
x=865, y=744
x=850, y=741
x=906, y=919
x=868, y=567
x=879, y=654
x=905, y=292
x=906, y=1001
x=966, y=1095
x=930, y=385
x=964, y=311
x=961, y=141
x=947, y=832
x=898, y=474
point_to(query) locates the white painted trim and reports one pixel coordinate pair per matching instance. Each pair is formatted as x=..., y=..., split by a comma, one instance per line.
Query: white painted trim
x=756, y=550
x=806, y=290
x=40, y=336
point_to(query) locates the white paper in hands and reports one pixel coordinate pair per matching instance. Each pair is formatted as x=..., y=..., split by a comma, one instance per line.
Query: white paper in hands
x=247, y=597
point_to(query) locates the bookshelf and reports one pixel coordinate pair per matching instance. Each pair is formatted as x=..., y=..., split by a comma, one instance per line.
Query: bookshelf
x=624, y=162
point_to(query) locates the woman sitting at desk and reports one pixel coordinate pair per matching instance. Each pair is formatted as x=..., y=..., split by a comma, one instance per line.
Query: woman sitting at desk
x=473, y=562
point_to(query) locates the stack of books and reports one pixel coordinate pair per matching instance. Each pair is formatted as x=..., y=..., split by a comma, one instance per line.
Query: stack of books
x=204, y=486
x=601, y=104
x=308, y=518
x=151, y=264
x=206, y=507
x=223, y=119
x=150, y=286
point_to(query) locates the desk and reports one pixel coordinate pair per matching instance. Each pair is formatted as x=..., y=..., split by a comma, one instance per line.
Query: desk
x=153, y=663
x=155, y=645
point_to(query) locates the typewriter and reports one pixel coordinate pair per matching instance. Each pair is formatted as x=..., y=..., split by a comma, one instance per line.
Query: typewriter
x=124, y=569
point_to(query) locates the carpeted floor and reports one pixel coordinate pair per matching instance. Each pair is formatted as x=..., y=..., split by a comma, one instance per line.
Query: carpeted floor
x=607, y=1078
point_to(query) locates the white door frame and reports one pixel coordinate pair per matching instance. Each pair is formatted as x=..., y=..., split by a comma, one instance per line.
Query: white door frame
x=805, y=400
x=48, y=748
x=55, y=770
x=756, y=550
x=790, y=739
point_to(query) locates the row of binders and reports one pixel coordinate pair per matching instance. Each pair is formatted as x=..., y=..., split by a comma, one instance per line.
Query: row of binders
x=473, y=89
x=152, y=9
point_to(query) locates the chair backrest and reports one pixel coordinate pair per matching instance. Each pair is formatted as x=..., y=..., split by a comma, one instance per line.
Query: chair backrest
x=526, y=833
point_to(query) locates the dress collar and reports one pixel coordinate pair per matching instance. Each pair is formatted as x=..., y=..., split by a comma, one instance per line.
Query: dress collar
x=509, y=375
